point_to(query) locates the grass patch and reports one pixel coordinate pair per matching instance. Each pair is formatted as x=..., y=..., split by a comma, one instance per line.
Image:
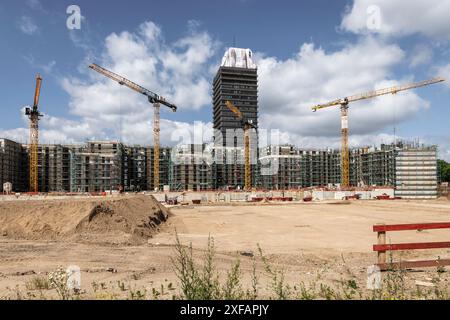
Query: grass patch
x=201, y=281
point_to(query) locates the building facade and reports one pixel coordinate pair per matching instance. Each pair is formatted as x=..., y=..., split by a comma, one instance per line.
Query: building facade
x=101, y=166
x=288, y=167
x=13, y=165
x=135, y=168
x=373, y=166
x=57, y=168
x=409, y=168
x=416, y=173
x=190, y=168
x=164, y=163
x=97, y=167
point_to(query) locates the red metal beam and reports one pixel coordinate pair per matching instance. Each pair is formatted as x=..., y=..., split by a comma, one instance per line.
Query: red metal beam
x=413, y=226
x=414, y=264
x=411, y=246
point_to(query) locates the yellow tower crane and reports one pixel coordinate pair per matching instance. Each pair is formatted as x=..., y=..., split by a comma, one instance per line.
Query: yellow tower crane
x=247, y=125
x=343, y=103
x=34, y=115
x=153, y=98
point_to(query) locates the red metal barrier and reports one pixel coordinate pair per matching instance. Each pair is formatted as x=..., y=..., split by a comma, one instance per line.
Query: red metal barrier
x=382, y=247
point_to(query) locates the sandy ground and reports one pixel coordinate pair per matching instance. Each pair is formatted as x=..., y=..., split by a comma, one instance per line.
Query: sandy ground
x=306, y=240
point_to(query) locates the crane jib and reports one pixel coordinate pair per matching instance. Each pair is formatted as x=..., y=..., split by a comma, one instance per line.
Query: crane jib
x=152, y=97
x=377, y=93
x=345, y=163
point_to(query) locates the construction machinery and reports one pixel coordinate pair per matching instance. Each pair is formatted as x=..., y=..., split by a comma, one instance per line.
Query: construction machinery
x=247, y=125
x=34, y=115
x=344, y=104
x=153, y=98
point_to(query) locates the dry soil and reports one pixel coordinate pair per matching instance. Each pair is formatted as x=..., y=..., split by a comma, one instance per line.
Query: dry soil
x=106, y=239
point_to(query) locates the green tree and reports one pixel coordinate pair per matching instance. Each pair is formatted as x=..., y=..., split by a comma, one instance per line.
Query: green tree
x=444, y=170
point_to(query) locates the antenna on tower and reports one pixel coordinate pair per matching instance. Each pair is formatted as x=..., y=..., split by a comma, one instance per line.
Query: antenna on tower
x=234, y=41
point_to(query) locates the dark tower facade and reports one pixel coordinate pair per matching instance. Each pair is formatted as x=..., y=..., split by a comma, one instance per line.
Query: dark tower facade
x=236, y=81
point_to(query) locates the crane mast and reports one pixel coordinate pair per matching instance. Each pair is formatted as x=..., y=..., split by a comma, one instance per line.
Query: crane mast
x=345, y=156
x=247, y=166
x=156, y=137
x=247, y=125
x=344, y=105
x=34, y=115
x=153, y=98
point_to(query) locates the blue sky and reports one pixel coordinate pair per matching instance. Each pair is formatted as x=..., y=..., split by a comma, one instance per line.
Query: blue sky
x=307, y=52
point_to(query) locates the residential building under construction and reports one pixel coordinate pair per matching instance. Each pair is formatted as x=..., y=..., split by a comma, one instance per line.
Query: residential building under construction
x=190, y=168
x=229, y=163
x=101, y=166
x=96, y=167
x=13, y=165
x=409, y=167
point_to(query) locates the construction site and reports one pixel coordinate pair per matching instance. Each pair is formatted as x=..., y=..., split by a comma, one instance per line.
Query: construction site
x=116, y=210
x=233, y=161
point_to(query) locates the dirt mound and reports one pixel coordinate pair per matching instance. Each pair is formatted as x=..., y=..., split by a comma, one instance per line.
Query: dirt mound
x=116, y=221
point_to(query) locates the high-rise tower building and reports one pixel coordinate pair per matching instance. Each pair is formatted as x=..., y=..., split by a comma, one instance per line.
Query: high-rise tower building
x=236, y=81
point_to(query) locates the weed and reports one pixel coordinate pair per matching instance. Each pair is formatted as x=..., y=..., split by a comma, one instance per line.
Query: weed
x=38, y=283
x=306, y=293
x=197, y=282
x=232, y=289
x=253, y=294
x=138, y=294
x=281, y=290
x=58, y=281
x=121, y=285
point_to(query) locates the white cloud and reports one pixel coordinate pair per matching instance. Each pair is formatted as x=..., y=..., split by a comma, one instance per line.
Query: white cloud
x=289, y=88
x=105, y=110
x=27, y=25
x=46, y=67
x=19, y=135
x=167, y=69
x=182, y=72
x=180, y=133
x=150, y=31
x=63, y=131
x=444, y=72
x=401, y=17
x=179, y=71
x=35, y=5
x=317, y=142
x=443, y=143
x=421, y=54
